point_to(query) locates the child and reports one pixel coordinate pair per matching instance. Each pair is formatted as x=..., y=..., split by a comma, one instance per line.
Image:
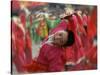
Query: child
x=52, y=57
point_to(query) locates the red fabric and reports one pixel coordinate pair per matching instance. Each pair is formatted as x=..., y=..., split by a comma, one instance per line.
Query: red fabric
x=28, y=40
x=85, y=19
x=92, y=21
x=46, y=60
x=80, y=20
x=92, y=55
x=61, y=26
x=31, y=20
x=15, y=5
x=72, y=23
x=53, y=57
x=70, y=54
x=81, y=67
x=28, y=47
x=18, y=48
x=80, y=24
x=75, y=25
x=23, y=18
x=85, y=42
x=13, y=46
x=73, y=53
x=19, y=37
x=76, y=51
x=35, y=67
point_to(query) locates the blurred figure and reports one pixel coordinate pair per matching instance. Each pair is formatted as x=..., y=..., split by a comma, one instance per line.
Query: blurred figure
x=52, y=21
x=18, y=44
x=53, y=49
x=75, y=54
x=25, y=20
x=36, y=38
x=43, y=29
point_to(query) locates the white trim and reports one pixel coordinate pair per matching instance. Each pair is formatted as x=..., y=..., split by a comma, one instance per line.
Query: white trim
x=80, y=59
x=75, y=63
x=70, y=63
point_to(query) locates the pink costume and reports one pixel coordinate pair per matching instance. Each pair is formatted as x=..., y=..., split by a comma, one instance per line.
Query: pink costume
x=74, y=53
x=27, y=41
x=92, y=24
x=52, y=57
x=18, y=47
x=28, y=47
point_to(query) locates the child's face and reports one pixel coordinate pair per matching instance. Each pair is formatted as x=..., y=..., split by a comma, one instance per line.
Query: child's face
x=60, y=38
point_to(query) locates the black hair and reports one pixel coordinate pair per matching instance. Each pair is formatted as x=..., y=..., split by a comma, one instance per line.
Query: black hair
x=71, y=39
x=67, y=17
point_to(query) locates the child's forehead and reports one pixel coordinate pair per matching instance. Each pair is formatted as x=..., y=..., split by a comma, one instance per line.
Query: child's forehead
x=62, y=32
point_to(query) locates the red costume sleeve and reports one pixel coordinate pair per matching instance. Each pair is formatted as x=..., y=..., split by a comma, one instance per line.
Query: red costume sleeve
x=55, y=63
x=92, y=55
x=92, y=24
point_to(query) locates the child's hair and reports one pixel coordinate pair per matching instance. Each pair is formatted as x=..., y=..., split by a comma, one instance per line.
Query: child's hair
x=71, y=39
